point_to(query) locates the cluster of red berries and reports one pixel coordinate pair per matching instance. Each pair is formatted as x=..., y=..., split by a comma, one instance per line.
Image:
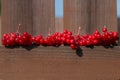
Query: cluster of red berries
x=14, y=39
x=64, y=38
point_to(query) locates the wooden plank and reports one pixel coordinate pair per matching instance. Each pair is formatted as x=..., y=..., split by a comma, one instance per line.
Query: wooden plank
x=90, y=15
x=51, y=63
x=76, y=13
x=43, y=16
x=59, y=24
x=16, y=12
x=0, y=30
x=119, y=28
x=104, y=12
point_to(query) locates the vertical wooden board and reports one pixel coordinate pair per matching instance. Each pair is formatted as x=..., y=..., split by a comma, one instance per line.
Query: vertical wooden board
x=59, y=24
x=0, y=31
x=43, y=16
x=76, y=13
x=104, y=13
x=119, y=28
x=16, y=12
x=93, y=8
x=113, y=11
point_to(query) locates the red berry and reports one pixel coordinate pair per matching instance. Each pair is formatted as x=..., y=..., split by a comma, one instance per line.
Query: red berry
x=17, y=40
x=69, y=33
x=96, y=32
x=25, y=33
x=104, y=29
x=41, y=41
x=95, y=42
x=80, y=43
x=115, y=34
x=88, y=42
x=63, y=39
x=56, y=33
x=65, y=31
x=72, y=41
x=73, y=46
x=68, y=41
x=84, y=43
x=4, y=35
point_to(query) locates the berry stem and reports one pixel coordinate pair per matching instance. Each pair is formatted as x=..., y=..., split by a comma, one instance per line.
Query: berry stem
x=49, y=32
x=105, y=26
x=18, y=30
x=79, y=28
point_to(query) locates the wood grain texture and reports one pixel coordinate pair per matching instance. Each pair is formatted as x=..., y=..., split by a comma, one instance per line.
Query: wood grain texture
x=119, y=28
x=0, y=30
x=16, y=12
x=43, y=16
x=90, y=15
x=50, y=63
x=76, y=13
x=35, y=16
x=59, y=24
x=104, y=12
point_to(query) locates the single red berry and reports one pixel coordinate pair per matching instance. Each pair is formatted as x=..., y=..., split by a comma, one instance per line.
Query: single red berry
x=72, y=41
x=65, y=31
x=88, y=42
x=96, y=32
x=73, y=46
x=68, y=41
x=69, y=33
x=104, y=29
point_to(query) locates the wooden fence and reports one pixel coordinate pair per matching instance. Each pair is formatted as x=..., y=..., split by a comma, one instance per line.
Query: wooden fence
x=50, y=63
x=37, y=16
x=90, y=15
x=63, y=63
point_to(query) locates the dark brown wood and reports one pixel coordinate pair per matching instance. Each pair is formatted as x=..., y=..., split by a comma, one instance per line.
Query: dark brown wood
x=16, y=12
x=76, y=13
x=43, y=16
x=50, y=63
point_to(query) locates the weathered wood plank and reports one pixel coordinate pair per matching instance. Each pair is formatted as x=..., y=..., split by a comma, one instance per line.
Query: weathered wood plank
x=76, y=13
x=43, y=16
x=90, y=15
x=104, y=12
x=16, y=12
x=59, y=24
x=50, y=63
